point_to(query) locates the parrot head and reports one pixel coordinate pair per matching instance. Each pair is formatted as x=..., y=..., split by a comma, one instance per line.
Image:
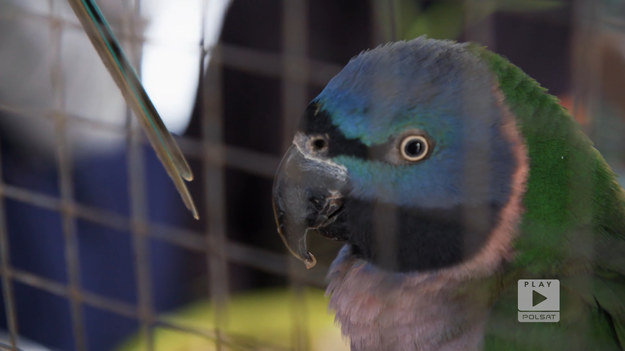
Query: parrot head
x=408, y=155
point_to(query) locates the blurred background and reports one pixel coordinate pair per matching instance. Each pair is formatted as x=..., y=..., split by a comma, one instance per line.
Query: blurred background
x=97, y=251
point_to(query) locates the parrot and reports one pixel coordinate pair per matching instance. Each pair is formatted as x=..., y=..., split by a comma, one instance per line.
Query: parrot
x=451, y=176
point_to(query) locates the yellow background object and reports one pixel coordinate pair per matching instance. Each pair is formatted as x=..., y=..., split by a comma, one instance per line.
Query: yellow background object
x=261, y=320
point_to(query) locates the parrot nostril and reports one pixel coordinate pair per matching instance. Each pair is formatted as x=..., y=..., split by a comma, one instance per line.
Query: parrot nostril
x=319, y=143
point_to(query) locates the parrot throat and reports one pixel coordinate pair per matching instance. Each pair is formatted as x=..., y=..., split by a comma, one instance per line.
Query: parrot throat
x=402, y=239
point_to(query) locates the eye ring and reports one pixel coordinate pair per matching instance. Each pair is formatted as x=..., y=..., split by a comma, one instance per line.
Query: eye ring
x=414, y=148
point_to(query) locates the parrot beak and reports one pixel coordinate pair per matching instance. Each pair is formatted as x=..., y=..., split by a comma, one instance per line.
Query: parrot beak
x=306, y=195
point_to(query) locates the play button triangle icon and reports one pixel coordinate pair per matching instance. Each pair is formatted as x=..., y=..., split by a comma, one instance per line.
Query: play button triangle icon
x=537, y=298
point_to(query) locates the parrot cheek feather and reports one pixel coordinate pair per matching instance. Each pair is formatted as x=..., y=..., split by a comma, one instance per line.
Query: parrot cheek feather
x=500, y=246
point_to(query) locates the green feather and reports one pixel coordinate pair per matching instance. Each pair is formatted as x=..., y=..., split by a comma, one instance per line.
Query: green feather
x=572, y=228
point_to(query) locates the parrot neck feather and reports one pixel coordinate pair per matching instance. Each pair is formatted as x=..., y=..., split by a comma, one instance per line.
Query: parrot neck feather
x=379, y=310
x=570, y=187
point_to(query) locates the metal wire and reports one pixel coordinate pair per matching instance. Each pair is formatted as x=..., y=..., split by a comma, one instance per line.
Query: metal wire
x=138, y=212
x=66, y=187
x=184, y=238
x=213, y=172
x=5, y=271
x=295, y=72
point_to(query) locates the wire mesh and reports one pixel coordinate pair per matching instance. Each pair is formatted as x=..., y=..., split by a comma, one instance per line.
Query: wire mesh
x=296, y=70
x=214, y=155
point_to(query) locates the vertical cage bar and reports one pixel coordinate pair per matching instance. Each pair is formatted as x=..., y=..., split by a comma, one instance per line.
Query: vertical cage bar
x=295, y=65
x=478, y=22
x=586, y=76
x=64, y=161
x=211, y=113
x=384, y=21
x=5, y=269
x=586, y=62
x=138, y=199
x=139, y=229
x=478, y=27
x=295, y=76
x=392, y=17
x=384, y=217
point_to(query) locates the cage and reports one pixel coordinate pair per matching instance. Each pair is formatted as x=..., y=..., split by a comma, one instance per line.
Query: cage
x=97, y=249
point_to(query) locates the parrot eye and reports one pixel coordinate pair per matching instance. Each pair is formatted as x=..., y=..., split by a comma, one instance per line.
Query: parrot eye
x=318, y=143
x=414, y=148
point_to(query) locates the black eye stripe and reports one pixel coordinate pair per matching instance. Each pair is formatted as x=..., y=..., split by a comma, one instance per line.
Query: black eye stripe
x=317, y=121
